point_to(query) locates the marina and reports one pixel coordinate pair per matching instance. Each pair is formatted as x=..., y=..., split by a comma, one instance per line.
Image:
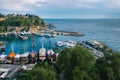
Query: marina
x=25, y=49
x=48, y=54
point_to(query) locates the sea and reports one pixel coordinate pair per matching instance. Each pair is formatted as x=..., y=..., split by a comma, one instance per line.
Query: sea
x=106, y=31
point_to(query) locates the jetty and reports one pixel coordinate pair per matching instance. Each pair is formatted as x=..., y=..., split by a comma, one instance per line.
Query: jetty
x=68, y=33
x=62, y=32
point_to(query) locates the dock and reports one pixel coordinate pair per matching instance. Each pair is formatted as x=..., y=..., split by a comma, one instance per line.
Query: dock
x=62, y=32
x=68, y=33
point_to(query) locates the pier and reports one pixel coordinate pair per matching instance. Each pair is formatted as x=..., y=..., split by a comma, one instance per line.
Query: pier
x=68, y=33
x=45, y=33
x=62, y=32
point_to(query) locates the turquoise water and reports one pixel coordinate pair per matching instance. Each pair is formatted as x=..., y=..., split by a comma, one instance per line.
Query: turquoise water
x=104, y=30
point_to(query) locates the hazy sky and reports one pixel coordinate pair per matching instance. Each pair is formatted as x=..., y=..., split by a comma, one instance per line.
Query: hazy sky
x=64, y=8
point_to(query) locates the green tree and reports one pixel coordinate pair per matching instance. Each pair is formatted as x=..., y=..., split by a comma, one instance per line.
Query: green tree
x=109, y=66
x=75, y=63
x=40, y=72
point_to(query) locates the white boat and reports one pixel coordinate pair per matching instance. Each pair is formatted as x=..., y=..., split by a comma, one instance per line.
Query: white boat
x=67, y=43
x=11, y=55
x=42, y=53
x=53, y=35
x=50, y=52
x=50, y=55
x=47, y=35
x=17, y=59
x=24, y=57
x=2, y=58
x=59, y=43
x=40, y=34
x=25, y=38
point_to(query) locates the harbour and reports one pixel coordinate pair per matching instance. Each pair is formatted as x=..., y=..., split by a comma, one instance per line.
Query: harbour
x=25, y=49
x=60, y=40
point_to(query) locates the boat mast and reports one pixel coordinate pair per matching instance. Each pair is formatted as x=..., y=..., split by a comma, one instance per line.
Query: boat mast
x=25, y=46
x=42, y=42
x=34, y=43
x=50, y=43
x=12, y=48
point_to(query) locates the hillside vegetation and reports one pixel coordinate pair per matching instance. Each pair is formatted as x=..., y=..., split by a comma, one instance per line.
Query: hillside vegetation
x=77, y=64
x=18, y=20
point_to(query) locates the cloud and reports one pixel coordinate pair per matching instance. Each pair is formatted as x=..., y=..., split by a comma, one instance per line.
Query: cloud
x=29, y=5
x=114, y=4
x=20, y=5
x=87, y=3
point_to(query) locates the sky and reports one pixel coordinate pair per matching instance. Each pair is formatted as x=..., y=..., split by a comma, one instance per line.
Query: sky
x=66, y=9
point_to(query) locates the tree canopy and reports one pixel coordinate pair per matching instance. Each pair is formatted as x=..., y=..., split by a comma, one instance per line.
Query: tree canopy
x=75, y=63
x=78, y=63
x=21, y=20
x=40, y=72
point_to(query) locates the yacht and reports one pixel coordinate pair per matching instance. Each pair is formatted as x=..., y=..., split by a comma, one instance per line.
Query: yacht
x=17, y=59
x=11, y=56
x=67, y=43
x=47, y=35
x=42, y=53
x=59, y=43
x=2, y=58
x=53, y=35
x=25, y=57
x=50, y=55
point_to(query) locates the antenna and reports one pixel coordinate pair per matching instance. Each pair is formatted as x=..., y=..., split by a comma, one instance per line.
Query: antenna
x=34, y=43
x=50, y=43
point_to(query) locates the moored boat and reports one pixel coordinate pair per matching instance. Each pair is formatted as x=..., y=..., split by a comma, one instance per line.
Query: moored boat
x=33, y=57
x=42, y=53
x=2, y=58
x=67, y=44
x=17, y=59
x=25, y=57
x=10, y=57
x=50, y=55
